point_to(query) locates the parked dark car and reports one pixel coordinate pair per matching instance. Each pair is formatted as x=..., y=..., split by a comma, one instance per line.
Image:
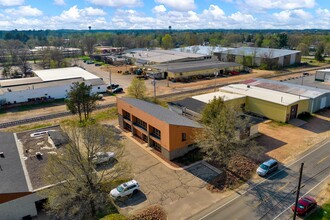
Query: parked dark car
x=90, y=62
x=112, y=86
x=98, y=64
x=117, y=90
x=305, y=204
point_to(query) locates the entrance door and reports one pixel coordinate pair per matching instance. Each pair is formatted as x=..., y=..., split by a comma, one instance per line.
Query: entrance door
x=293, y=113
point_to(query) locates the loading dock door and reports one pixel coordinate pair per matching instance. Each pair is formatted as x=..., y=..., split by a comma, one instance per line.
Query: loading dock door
x=323, y=102
x=293, y=112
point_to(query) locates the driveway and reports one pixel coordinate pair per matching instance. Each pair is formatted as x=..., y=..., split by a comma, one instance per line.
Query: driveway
x=160, y=184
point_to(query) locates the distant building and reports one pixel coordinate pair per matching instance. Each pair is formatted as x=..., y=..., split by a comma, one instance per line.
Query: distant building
x=49, y=84
x=163, y=130
x=254, y=56
x=319, y=98
x=158, y=56
x=38, y=51
x=205, y=50
x=323, y=75
x=204, y=68
x=275, y=105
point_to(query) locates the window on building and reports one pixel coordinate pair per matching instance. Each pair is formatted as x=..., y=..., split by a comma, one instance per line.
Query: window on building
x=126, y=115
x=157, y=133
x=141, y=123
x=184, y=136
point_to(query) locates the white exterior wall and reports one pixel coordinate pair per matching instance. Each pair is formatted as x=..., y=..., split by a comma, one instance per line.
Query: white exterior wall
x=293, y=59
x=281, y=61
x=58, y=92
x=18, y=208
x=320, y=75
x=23, y=95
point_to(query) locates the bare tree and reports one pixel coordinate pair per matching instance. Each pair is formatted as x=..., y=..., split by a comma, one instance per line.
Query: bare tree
x=23, y=60
x=224, y=132
x=268, y=61
x=78, y=193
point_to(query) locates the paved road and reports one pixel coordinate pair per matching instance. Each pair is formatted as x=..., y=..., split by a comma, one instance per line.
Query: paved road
x=270, y=198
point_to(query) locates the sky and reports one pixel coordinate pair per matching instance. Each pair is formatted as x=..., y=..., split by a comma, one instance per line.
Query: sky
x=160, y=14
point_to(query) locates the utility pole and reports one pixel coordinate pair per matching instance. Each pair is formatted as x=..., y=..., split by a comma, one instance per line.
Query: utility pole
x=110, y=80
x=302, y=80
x=215, y=80
x=298, y=189
x=154, y=84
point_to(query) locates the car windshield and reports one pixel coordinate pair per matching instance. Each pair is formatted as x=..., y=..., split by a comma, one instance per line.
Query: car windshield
x=263, y=166
x=301, y=206
x=120, y=188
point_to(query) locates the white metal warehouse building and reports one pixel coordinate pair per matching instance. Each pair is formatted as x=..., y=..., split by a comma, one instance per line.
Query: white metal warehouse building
x=319, y=98
x=48, y=84
x=323, y=75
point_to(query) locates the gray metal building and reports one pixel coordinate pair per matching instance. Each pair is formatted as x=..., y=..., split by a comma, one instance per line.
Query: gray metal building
x=319, y=98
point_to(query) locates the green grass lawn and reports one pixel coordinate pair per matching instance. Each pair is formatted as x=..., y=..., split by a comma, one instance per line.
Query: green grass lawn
x=322, y=213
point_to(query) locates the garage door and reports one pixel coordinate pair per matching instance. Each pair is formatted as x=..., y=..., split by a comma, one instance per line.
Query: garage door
x=323, y=102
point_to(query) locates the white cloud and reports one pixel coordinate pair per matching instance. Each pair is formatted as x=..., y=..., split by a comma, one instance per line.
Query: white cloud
x=11, y=2
x=215, y=12
x=280, y=4
x=90, y=11
x=117, y=3
x=323, y=12
x=239, y=18
x=24, y=11
x=179, y=5
x=292, y=16
x=59, y=2
x=159, y=9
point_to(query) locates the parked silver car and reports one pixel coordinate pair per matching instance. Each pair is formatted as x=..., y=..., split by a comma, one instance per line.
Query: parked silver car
x=101, y=157
x=267, y=167
x=125, y=189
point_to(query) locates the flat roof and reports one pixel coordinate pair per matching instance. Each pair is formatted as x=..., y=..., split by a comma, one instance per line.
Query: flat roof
x=12, y=173
x=64, y=73
x=325, y=70
x=93, y=82
x=263, y=94
x=294, y=89
x=190, y=103
x=194, y=65
x=19, y=81
x=206, y=98
x=261, y=52
x=205, y=50
x=161, y=113
x=161, y=56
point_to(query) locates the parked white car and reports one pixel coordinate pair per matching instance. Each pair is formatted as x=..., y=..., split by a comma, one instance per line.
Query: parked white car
x=125, y=189
x=101, y=157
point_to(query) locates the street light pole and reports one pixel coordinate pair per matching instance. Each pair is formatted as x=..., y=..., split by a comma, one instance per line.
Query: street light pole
x=154, y=84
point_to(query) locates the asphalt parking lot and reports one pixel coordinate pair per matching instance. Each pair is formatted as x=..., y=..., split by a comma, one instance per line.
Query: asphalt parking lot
x=160, y=184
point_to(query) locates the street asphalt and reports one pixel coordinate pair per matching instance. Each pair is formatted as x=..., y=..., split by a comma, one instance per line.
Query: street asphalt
x=273, y=197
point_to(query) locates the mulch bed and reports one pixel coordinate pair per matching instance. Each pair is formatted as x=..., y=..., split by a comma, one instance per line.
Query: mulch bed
x=240, y=169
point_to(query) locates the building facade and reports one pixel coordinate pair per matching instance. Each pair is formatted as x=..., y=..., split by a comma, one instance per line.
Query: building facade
x=323, y=75
x=163, y=130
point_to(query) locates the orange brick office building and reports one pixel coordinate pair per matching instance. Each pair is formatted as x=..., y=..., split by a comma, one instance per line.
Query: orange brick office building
x=164, y=130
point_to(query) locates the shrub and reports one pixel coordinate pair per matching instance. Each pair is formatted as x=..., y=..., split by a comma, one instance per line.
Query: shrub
x=150, y=213
x=114, y=217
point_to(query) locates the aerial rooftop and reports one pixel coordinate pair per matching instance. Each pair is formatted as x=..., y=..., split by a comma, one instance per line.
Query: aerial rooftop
x=263, y=94
x=261, y=52
x=161, y=113
x=64, y=73
x=206, y=98
x=294, y=89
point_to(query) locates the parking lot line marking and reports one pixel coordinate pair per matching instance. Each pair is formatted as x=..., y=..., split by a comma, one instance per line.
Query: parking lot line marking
x=282, y=187
x=320, y=161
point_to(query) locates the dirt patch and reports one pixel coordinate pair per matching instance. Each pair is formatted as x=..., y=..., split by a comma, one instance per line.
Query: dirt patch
x=240, y=169
x=285, y=142
x=324, y=195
